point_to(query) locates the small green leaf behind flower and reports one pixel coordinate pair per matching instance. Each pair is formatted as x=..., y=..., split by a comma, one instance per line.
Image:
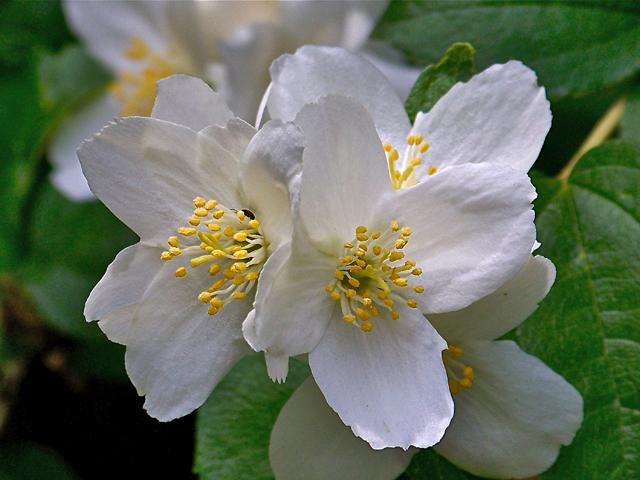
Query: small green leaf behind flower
x=436, y=80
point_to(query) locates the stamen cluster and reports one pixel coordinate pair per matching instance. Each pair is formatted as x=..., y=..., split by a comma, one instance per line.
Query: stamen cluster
x=460, y=375
x=137, y=91
x=416, y=148
x=368, y=276
x=234, y=249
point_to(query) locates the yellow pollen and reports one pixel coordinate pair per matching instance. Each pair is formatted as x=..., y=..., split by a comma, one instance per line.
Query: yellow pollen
x=381, y=295
x=251, y=276
x=238, y=295
x=386, y=268
x=181, y=272
x=388, y=302
x=201, y=212
x=418, y=139
x=329, y=288
x=218, y=254
x=410, y=263
x=240, y=236
x=366, y=327
x=400, y=243
x=400, y=282
x=418, y=289
x=362, y=237
x=395, y=315
x=374, y=311
x=367, y=302
x=204, y=297
x=214, y=269
x=339, y=275
x=377, y=249
x=218, y=214
x=210, y=204
x=465, y=383
x=350, y=293
x=395, y=256
x=355, y=268
x=235, y=248
x=375, y=235
x=424, y=146
x=228, y=274
x=415, y=162
x=349, y=318
x=173, y=241
x=193, y=220
x=240, y=254
x=218, y=285
x=186, y=231
x=216, y=302
x=468, y=372
x=199, y=202
x=361, y=229
x=212, y=310
x=387, y=146
x=241, y=215
x=348, y=245
x=239, y=267
x=174, y=251
x=394, y=226
x=166, y=256
x=416, y=271
x=137, y=50
x=360, y=253
x=214, y=227
x=411, y=140
x=335, y=295
x=360, y=263
x=346, y=260
x=363, y=247
x=228, y=232
x=406, y=231
x=432, y=169
x=239, y=280
x=412, y=303
x=254, y=224
x=354, y=283
x=393, y=155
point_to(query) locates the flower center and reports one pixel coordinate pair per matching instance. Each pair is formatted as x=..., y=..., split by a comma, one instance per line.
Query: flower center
x=231, y=243
x=460, y=375
x=137, y=90
x=417, y=147
x=368, y=276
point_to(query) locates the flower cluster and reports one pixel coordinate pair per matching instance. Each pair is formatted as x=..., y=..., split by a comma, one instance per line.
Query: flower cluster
x=390, y=255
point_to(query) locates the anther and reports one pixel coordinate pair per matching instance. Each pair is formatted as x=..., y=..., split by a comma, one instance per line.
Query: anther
x=193, y=220
x=238, y=295
x=251, y=276
x=218, y=214
x=186, y=231
x=241, y=215
x=412, y=303
x=395, y=315
x=166, y=256
x=181, y=272
x=349, y=318
x=214, y=269
x=418, y=289
x=366, y=327
x=432, y=169
x=173, y=241
x=210, y=205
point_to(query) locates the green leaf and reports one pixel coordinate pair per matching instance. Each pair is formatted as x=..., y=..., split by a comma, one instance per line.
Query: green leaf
x=575, y=47
x=436, y=80
x=234, y=425
x=588, y=328
x=630, y=122
x=427, y=464
x=32, y=462
x=70, y=77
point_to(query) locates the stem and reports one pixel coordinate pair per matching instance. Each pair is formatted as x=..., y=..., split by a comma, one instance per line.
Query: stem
x=603, y=129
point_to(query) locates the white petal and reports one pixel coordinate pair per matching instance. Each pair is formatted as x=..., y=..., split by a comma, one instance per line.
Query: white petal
x=67, y=174
x=309, y=441
x=270, y=175
x=314, y=71
x=190, y=102
x=500, y=116
x=501, y=311
x=473, y=230
x=114, y=299
x=247, y=58
x=512, y=422
x=344, y=170
x=401, y=75
x=176, y=352
x=233, y=137
x=107, y=27
x=389, y=385
x=292, y=308
x=147, y=171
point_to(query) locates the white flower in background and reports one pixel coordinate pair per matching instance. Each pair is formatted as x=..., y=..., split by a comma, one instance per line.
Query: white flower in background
x=229, y=44
x=369, y=257
x=208, y=197
x=510, y=423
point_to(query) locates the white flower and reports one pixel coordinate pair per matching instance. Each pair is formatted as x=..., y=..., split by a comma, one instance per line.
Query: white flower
x=229, y=44
x=510, y=423
x=208, y=197
x=369, y=257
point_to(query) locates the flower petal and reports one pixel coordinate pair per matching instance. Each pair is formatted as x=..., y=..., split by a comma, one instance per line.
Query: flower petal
x=472, y=231
x=190, y=102
x=388, y=385
x=67, y=174
x=176, y=352
x=501, y=311
x=512, y=422
x=107, y=27
x=315, y=71
x=344, y=169
x=292, y=307
x=309, y=441
x=114, y=299
x=500, y=116
x=270, y=175
x=147, y=171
